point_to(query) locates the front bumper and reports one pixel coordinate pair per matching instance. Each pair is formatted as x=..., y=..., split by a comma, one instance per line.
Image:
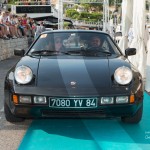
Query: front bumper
x=43, y=111
x=38, y=111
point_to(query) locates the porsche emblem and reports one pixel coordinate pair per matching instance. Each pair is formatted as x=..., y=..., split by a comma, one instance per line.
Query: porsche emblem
x=72, y=83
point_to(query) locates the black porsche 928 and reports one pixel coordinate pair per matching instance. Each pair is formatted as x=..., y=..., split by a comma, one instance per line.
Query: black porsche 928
x=73, y=73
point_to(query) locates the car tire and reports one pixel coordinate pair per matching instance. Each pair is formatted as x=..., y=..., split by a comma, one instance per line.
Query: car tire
x=9, y=116
x=136, y=118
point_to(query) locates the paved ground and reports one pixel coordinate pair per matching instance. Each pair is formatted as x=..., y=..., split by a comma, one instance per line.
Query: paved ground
x=10, y=134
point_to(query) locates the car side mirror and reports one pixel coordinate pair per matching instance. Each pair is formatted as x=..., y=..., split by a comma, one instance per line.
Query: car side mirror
x=19, y=52
x=130, y=51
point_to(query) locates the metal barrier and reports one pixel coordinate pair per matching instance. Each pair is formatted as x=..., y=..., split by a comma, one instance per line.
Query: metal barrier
x=86, y=23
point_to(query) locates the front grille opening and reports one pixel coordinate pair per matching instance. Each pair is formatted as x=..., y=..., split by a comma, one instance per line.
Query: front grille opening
x=72, y=114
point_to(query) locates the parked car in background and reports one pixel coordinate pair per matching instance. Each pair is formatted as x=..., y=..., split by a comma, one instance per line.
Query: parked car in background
x=73, y=73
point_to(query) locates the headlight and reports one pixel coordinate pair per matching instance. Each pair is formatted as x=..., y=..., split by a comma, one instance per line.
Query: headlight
x=123, y=75
x=23, y=74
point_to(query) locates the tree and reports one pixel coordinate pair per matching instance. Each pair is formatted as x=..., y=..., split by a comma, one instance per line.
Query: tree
x=71, y=13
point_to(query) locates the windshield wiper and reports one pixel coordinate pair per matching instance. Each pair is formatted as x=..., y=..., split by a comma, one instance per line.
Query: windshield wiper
x=87, y=52
x=51, y=52
x=94, y=49
x=45, y=52
x=72, y=52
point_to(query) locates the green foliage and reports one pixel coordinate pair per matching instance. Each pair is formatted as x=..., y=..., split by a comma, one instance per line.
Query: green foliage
x=12, y=1
x=96, y=13
x=66, y=24
x=71, y=13
x=115, y=2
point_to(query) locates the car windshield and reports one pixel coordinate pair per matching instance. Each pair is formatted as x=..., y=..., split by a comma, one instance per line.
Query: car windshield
x=73, y=42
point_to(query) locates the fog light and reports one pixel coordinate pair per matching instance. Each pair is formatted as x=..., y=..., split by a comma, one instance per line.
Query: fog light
x=107, y=100
x=39, y=100
x=122, y=99
x=25, y=99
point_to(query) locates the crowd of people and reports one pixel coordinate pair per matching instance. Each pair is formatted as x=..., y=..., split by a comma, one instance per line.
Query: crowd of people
x=13, y=26
x=33, y=2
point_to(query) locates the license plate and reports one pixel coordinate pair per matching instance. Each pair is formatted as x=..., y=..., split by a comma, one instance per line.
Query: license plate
x=73, y=102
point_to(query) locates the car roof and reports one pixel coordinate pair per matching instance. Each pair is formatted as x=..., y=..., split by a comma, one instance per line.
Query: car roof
x=62, y=31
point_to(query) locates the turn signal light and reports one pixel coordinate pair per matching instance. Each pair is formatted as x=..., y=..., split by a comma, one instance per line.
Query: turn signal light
x=132, y=99
x=15, y=99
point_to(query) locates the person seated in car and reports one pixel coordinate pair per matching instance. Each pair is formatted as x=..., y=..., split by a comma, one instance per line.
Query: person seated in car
x=95, y=41
x=58, y=44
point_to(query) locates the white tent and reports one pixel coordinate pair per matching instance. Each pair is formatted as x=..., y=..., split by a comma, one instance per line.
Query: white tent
x=127, y=13
x=136, y=9
x=147, y=83
x=139, y=42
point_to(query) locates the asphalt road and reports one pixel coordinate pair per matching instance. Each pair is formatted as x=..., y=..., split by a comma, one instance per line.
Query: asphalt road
x=10, y=134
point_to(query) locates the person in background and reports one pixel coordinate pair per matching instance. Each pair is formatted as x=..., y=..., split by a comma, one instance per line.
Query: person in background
x=25, y=25
x=130, y=35
x=146, y=38
x=3, y=27
x=21, y=28
x=7, y=22
x=39, y=29
x=15, y=26
x=1, y=35
x=3, y=31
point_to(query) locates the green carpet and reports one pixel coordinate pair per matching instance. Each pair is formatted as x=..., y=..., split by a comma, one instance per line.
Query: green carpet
x=89, y=134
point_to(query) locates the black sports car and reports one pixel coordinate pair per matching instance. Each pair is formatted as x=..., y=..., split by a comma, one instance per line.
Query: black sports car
x=73, y=73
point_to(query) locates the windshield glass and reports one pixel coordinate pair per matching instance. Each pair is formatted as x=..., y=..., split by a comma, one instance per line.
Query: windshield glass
x=74, y=42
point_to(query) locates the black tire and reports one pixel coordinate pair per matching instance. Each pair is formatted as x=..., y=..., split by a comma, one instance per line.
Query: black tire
x=136, y=118
x=9, y=116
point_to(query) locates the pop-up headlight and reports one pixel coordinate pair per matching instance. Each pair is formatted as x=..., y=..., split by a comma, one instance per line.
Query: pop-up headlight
x=123, y=75
x=23, y=74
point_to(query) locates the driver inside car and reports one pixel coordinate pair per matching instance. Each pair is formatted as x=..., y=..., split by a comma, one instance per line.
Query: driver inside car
x=95, y=41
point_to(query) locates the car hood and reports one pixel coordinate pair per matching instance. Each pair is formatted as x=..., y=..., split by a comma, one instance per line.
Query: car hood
x=74, y=73
x=69, y=76
x=79, y=72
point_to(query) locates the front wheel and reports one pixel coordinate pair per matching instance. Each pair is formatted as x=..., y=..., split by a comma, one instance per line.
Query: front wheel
x=136, y=118
x=9, y=116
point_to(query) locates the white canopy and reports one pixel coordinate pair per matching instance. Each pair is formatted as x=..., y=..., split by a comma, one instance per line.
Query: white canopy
x=147, y=83
x=127, y=13
x=139, y=42
x=133, y=11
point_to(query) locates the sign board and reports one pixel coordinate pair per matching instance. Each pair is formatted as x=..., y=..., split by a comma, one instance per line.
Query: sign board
x=32, y=9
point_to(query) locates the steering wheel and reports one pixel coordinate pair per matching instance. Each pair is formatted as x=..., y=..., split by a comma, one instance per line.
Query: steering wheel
x=94, y=48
